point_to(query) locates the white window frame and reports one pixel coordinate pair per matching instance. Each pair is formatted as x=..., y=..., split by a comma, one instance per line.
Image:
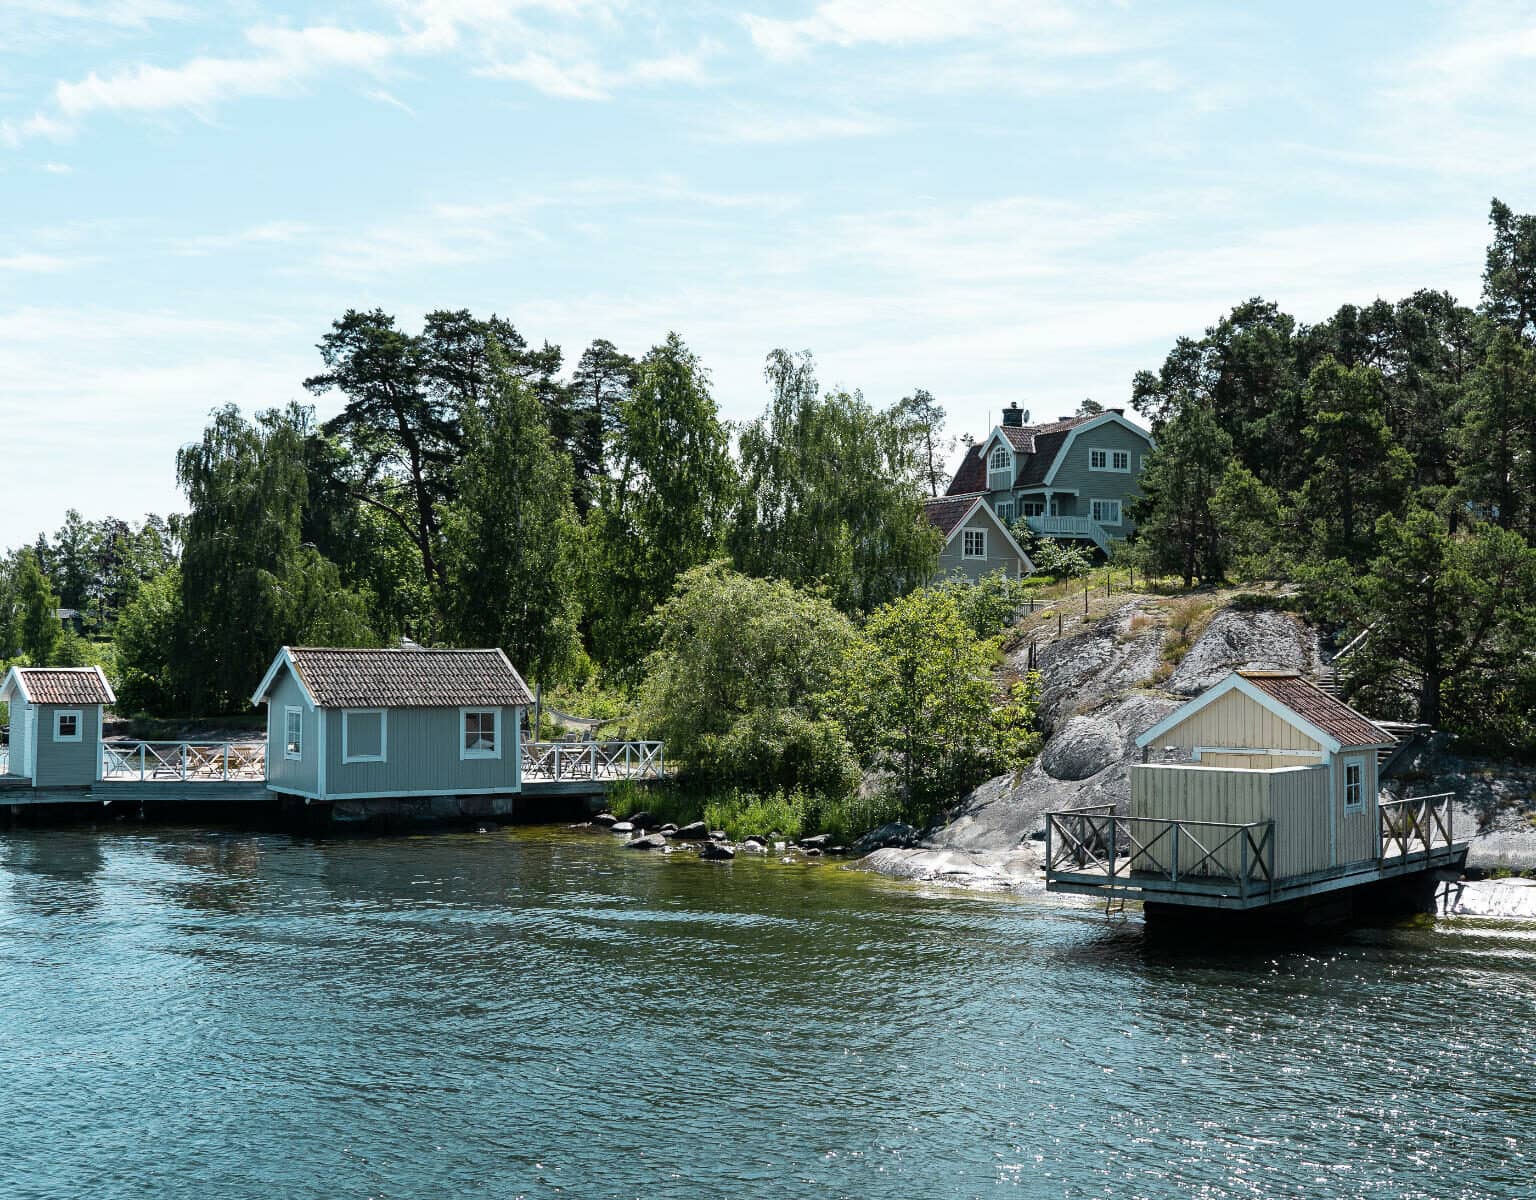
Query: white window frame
x=1357, y=765
x=346, y=736
x=58, y=720
x=965, y=543
x=1102, y=458
x=1114, y=458
x=1005, y=511
x=465, y=752
x=998, y=459
x=290, y=711
x=1032, y=508
x=1094, y=512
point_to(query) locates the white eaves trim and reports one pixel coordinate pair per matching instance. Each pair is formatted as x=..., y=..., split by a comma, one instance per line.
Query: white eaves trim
x=283, y=659
x=1235, y=682
x=15, y=682
x=1109, y=418
x=998, y=525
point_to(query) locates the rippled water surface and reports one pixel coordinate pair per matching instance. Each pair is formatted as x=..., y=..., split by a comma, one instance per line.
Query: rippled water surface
x=208, y=1014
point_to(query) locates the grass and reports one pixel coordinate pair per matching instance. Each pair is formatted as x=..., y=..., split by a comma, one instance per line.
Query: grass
x=742, y=813
x=1135, y=627
x=1187, y=620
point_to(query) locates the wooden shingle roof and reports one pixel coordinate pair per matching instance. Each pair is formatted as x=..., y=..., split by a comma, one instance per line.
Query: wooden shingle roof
x=945, y=512
x=404, y=678
x=61, y=685
x=1310, y=702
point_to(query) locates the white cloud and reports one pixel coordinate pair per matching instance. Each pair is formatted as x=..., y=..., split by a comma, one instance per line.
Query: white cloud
x=848, y=23
x=57, y=168
x=778, y=128
x=380, y=96
x=582, y=79
x=39, y=264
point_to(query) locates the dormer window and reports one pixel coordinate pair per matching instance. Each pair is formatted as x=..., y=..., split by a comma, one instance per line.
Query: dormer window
x=999, y=459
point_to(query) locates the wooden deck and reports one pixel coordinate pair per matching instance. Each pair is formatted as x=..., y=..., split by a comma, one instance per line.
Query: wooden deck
x=1207, y=864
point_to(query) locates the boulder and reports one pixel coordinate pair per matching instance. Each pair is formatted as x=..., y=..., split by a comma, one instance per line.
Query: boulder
x=817, y=841
x=893, y=833
x=1083, y=747
x=751, y=846
x=646, y=841
x=715, y=852
x=642, y=820
x=668, y=829
x=718, y=835
x=605, y=818
x=694, y=831
x=622, y=827
x=1266, y=641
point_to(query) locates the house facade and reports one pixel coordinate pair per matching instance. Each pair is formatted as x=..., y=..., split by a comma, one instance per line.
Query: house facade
x=1068, y=479
x=56, y=717
x=346, y=724
x=976, y=541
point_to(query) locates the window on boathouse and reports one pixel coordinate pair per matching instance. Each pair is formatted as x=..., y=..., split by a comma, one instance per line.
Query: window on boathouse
x=481, y=733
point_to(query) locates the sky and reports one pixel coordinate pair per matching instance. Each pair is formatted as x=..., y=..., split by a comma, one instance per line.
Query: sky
x=995, y=200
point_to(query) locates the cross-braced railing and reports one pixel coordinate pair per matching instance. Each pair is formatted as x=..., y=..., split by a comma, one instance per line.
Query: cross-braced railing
x=1416, y=824
x=145, y=761
x=1095, y=842
x=599, y=761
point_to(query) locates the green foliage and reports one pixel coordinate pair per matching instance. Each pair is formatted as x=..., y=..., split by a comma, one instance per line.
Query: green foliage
x=744, y=814
x=1498, y=436
x=1061, y=560
x=916, y=697
x=733, y=683
x=507, y=532
x=38, y=627
x=989, y=604
x=663, y=511
x=831, y=492
x=152, y=665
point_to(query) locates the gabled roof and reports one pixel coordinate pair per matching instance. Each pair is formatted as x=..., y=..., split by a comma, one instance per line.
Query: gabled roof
x=1035, y=450
x=949, y=513
x=1295, y=700
x=1310, y=702
x=970, y=475
x=399, y=678
x=1084, y=425
x=58, y=685
x=945, y=512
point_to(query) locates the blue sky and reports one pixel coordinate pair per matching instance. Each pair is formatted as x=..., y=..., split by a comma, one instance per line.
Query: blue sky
x=993, y=200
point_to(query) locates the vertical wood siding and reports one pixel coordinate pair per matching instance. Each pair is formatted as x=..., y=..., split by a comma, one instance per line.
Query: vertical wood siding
x=423, y=757
x=282, y=773
x=68, y=764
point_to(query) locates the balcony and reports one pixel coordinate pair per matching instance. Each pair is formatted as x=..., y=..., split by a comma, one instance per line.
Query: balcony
x=1070, y=527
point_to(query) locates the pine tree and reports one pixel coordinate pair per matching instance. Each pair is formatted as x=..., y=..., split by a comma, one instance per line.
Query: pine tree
x=37, y=612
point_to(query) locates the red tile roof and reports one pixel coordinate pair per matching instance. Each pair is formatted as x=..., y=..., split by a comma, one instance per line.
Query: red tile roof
x=64, y=685
x=1312, y=704
x=946, y=512
x=1035, y=448
x=415, y=678
x=970, y=476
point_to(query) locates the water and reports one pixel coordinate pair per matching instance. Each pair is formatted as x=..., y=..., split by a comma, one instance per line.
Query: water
x=530, y=1013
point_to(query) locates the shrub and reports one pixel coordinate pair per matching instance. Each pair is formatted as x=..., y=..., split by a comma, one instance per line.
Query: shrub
x=1060, y=559
x=742, y=814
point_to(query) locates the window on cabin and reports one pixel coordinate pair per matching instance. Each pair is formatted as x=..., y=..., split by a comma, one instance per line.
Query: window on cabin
x=1098, y=460
x=293, y=733
x=1105, y=512
x=974, y=544
x=1354, y=786
x=1120, y=460
x=482, y=730
x=66, y=726
x=1005, y=511
x=999, y=459
x=362, y=735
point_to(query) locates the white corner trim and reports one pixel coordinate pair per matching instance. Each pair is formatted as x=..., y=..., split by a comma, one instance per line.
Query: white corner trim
x=1098, y=422
x=105, y=686
x=14, y=682
x=346, y=734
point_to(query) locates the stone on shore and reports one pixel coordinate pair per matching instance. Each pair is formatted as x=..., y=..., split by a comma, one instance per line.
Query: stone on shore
x=605, y=818
x=622, y=827
x=694, y=831
x=642, y=820
x=893, y=833
x=646, y=841
x=716, y=852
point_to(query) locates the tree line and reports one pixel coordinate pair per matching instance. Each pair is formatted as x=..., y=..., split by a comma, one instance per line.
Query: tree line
x=1385, y=461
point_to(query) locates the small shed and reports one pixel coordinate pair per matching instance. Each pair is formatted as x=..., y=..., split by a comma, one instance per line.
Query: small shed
x=56, y=724
x=350, y=724
x=1269, y=745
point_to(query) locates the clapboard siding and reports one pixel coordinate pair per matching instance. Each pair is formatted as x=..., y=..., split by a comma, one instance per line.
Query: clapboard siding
x=1236, y=721
x=422, y=757
x=1299, y=801
x=285, y=774
x=1073, y=472
x=1000, y=555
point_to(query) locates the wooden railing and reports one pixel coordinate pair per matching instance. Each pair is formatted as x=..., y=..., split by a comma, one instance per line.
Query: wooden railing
x=1416, y=824
x=601, y=761
x=1094, y=841
x=5, y=759
x=1079, y=527
x=142, y=761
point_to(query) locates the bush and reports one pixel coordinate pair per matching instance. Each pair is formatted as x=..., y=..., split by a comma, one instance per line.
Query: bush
x=1060, y=559
x=777, y=750
x=742, y=814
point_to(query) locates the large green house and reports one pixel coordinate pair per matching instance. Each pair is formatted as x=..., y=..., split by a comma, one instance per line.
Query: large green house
x=1071, y=479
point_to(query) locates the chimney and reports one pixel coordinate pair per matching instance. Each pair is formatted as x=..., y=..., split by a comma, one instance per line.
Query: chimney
x=1119, y=412
x=1013, y=417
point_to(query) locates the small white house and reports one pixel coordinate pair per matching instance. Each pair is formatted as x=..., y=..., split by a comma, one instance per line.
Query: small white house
x=56, y=724
x=976, y=541
x=345, y=724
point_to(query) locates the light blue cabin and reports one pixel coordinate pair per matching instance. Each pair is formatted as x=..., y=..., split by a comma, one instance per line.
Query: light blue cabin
x=55, y=724
x=1072, y=479
x=353, y=724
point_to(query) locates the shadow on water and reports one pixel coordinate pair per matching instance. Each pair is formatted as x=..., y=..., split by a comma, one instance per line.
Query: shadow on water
x=54, y=875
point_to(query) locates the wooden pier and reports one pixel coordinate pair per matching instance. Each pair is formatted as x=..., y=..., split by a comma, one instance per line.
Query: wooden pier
x=1232, y=865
